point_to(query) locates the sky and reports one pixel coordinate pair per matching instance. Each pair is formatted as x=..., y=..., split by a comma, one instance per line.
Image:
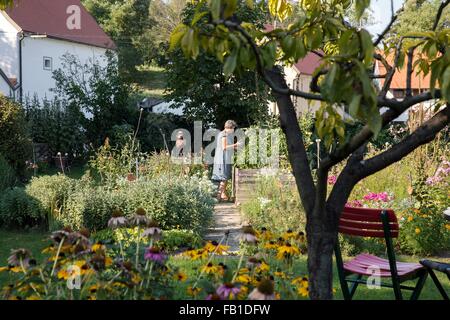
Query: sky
x=382, y=14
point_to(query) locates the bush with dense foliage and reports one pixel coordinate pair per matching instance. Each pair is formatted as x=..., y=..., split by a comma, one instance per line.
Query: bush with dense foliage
x=7, y=175
x=425, y=230
x=175, y=201
x=101, y=95
x=19, y=210
x=15, y=144
x=57, y=124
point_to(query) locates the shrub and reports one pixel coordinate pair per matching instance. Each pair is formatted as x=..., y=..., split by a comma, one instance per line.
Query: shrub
x=56, y=124
x=19, y=210
x=424, y=228
x=174, y=240
x=15, y=144
x=176, y=202
x=7, y=174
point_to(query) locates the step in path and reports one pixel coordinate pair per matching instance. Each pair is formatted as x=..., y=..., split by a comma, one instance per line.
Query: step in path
x=226, y=218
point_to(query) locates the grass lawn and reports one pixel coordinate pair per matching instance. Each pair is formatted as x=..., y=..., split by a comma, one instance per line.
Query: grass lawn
x=75, y=172
x=36, y=241
x=152, y=81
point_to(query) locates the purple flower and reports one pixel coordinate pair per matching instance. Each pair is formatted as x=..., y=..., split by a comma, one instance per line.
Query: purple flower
x=227, y=291
x=433, y=180
x=154, y=254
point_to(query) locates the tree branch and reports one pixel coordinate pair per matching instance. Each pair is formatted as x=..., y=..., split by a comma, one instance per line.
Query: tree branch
x=423, y=135
x=391, y=72
x=264, y=72
x=439, y=14
x=388, y=27
x=409, y=71
x=396, y=108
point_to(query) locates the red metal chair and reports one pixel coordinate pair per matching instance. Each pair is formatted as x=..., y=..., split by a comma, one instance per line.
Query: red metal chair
x=378, y=224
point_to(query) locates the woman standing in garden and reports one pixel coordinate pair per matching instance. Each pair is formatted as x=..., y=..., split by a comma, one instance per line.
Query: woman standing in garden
x=223, y=159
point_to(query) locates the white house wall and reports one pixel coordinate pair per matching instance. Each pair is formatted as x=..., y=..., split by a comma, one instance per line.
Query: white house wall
x=9, y=49
x=301, y=105
x=38, y=81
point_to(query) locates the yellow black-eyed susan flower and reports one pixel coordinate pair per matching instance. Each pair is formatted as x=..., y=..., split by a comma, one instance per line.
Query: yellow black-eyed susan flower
x=287, y=251
x=210, y=268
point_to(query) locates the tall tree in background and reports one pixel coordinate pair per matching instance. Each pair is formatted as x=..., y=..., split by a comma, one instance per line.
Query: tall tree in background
x=166, y=15
x=345, y=79
x=127, y=22
x=419, y=16
x=209, y=95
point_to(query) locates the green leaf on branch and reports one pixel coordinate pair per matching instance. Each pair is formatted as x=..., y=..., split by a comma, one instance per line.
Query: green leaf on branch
x=360, y=7
x=230, y=63
x=230, y=8
x=354, y=106
x=177, y=35
x=215, y=6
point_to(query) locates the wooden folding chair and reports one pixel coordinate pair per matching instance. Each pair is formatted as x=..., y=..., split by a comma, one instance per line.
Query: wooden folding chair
x=377, y=224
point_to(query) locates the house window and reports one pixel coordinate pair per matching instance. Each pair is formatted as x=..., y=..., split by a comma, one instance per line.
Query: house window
x=48, y=63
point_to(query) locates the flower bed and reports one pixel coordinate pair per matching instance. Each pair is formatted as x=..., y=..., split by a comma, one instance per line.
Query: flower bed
x=75, y=267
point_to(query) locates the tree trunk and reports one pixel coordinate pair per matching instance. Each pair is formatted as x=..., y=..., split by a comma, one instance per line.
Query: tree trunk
x=321, y=241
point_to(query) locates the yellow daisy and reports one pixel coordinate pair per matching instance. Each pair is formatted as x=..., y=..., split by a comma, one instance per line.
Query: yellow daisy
x=209, y=268
x=193, y=291
x=287, y=250
x=270, y=245
x=214, y=247
x=262, y=267
x=244, y=278
x=182, y=277
x=288, y=235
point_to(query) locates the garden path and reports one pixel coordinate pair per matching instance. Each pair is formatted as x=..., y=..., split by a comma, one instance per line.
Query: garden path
x=226, y=218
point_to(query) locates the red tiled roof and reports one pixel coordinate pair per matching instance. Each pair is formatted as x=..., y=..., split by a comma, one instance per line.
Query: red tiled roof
x=49, y=17
x=399, y=79
x=308, y=64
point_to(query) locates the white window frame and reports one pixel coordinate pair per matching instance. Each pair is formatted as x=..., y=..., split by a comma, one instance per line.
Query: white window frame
x=51, y=63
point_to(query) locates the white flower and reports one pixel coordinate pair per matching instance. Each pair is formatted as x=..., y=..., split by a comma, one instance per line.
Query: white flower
x=264, y=202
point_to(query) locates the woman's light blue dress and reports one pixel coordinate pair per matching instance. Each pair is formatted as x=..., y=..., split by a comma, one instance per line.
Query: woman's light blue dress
x=223, y=159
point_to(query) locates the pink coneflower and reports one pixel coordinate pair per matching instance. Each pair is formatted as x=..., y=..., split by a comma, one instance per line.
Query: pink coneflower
x=139, y=218
x=264, y=291
x=154, y=254
x=249, y=235
x=59, y=235
x=19, y=258
x=213, y=296
x=253, y=262
x=118, y=220
x=153, y=231
x=227, y=291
